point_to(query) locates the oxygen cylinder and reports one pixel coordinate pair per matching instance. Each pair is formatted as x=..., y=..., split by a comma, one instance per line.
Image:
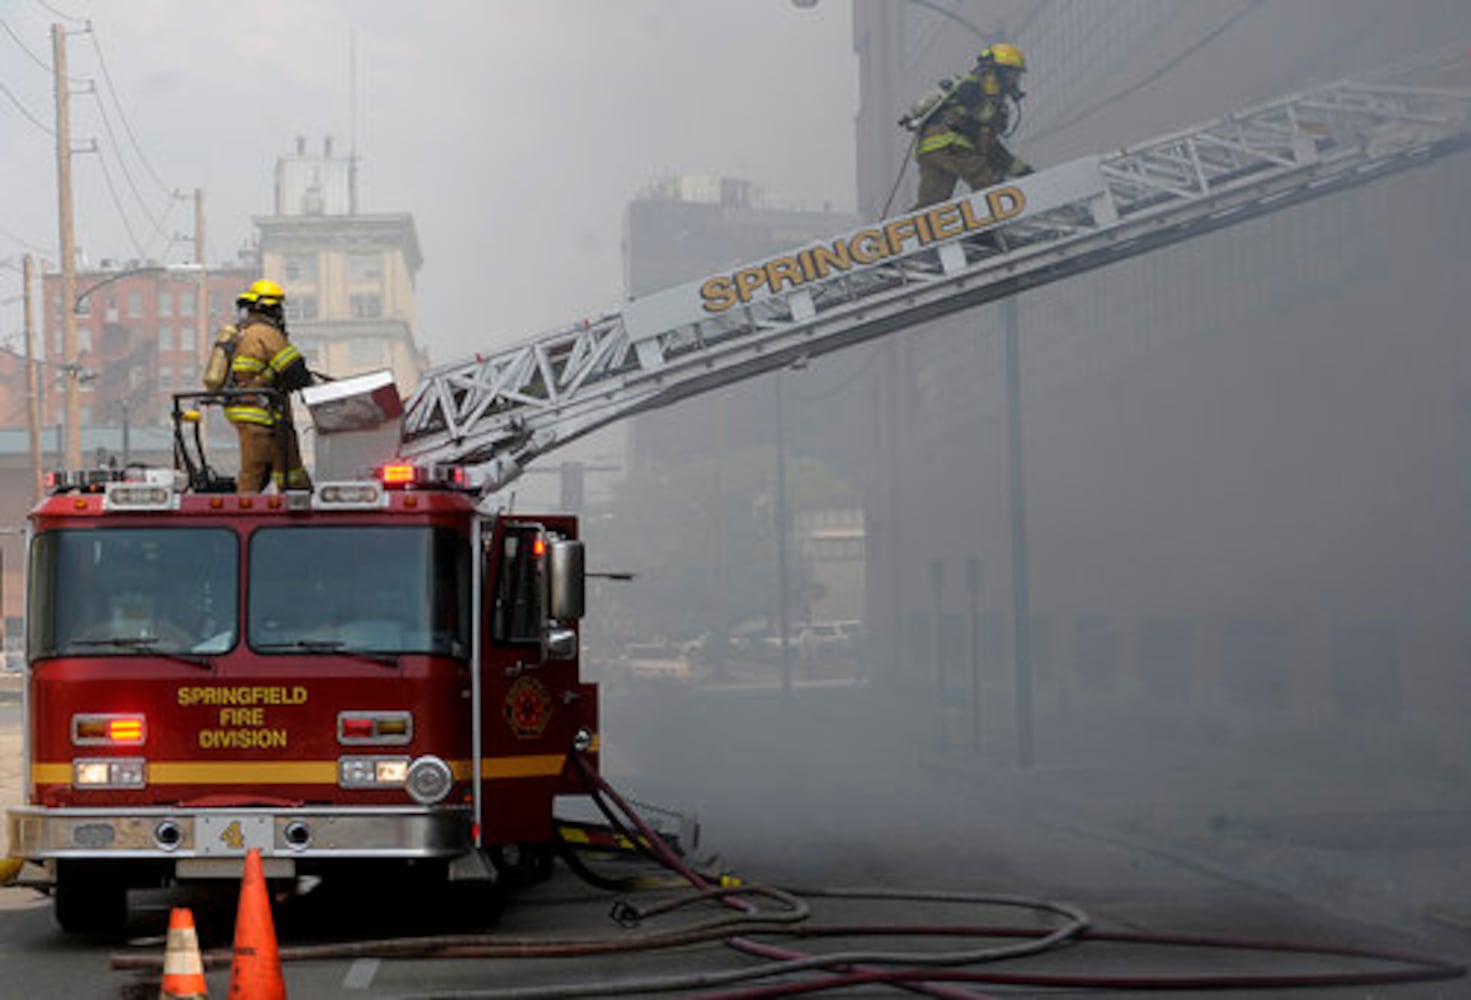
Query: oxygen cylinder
x=218, y=369
x=928, y=104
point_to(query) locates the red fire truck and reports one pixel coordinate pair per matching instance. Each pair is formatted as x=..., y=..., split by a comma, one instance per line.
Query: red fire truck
x=377, y=672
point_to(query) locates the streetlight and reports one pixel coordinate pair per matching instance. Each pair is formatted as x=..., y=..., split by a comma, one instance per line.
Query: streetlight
x=73, y=372
x=131, y=272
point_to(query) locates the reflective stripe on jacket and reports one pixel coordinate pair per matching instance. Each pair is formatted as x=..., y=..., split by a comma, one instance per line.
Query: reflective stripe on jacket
x=246, y=413
x=283, y=359
x=258, y=352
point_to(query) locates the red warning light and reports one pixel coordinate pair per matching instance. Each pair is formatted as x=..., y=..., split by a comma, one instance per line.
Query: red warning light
x=127, y=730
x=357, y=727
x=397, y=475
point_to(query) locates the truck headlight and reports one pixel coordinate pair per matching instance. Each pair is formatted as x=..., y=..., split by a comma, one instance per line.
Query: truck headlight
x=109, y=772
x=372, y=772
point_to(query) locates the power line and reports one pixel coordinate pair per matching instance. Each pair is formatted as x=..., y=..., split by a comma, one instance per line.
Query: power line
x=23, y=47
x=163, y=221
x=23, y=110
x=26, y=243
x=117, y=203
x=122, y=116
x=1210, y=36
x=60, y=14
x=122, y=164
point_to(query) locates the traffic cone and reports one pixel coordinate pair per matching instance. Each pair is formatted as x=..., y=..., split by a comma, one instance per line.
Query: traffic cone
x=255, y=972
x=183, y=968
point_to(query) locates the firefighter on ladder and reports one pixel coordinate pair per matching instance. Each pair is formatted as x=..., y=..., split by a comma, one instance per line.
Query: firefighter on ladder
x=961, y=126
x=255, y=353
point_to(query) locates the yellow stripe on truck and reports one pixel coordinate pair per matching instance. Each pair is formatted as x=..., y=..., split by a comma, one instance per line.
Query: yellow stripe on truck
x=300, y=772
x=538, y=766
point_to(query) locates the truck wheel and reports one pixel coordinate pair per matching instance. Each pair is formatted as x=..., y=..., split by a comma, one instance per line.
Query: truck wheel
x=522, y=864
x=89, y=906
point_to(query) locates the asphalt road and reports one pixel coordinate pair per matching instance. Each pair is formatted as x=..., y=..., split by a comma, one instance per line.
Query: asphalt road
x=832, y=786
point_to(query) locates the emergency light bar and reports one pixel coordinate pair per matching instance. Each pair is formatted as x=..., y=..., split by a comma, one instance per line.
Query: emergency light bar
x=365, y=495
x=407, y=475
x=137, y=496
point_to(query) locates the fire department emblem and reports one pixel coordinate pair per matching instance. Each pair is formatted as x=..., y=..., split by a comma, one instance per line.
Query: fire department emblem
x=528, y=707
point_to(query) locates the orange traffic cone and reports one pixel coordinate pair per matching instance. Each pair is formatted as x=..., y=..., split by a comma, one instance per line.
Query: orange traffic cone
x=183, y=969
x=255, y=973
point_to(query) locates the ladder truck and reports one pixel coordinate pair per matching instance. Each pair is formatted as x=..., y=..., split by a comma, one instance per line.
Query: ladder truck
x=383, y=673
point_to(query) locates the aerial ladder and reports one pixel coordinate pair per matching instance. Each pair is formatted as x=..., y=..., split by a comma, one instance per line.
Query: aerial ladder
x=498, y=412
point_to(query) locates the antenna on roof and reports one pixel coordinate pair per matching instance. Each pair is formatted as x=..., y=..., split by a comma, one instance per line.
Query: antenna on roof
x=352, y=135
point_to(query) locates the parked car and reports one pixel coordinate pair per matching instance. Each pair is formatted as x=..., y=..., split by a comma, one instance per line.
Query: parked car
x=656, y=659
x=827, y=639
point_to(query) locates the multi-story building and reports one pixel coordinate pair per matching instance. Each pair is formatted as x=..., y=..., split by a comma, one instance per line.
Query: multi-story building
x=348, y=275
x=140, y=338
x=1244, y=459
x=683, y=228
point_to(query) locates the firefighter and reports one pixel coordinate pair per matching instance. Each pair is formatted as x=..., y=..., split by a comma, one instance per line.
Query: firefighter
x=961, y=127
x=261, y=356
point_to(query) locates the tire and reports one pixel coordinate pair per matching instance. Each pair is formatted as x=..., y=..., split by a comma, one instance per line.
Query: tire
x=83, y=905
x=523, y=864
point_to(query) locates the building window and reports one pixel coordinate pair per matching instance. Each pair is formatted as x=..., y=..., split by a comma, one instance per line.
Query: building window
x=363, y=351
x=301, y=307
x=310, y=348
x=165, y=303
x=216, y=303
x=165, y=338
x=300, y=267
x=84, y=307
x=135, y=305
x=84, y=340
x=366, y=306
x=165, y=376
x=186, y=304
x=364, y=267
x=110, y=314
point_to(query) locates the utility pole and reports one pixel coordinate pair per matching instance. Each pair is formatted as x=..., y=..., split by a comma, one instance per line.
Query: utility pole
x=33, y=374
x=1021, y=566
x=73, y=407
x=783, y=520
x=201, y=291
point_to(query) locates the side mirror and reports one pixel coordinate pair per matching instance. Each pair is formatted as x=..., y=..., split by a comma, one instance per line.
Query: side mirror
x=568, y=579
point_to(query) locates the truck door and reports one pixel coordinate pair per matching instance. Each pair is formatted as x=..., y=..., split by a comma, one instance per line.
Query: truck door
x=529, y=699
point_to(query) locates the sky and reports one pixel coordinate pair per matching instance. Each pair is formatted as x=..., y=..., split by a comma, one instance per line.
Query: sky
x=515, y=132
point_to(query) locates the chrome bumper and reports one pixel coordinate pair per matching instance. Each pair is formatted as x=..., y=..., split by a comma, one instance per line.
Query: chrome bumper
x=40, y=834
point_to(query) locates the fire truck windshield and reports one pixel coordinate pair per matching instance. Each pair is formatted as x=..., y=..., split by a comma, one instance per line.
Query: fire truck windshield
x=359, y=588
x=132, y=592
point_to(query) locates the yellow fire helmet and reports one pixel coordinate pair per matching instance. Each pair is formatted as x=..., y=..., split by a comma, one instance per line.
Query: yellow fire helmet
x=1004, y=54
x=262, y=293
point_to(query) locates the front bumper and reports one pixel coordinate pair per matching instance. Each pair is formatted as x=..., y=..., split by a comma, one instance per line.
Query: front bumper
x=410, y=832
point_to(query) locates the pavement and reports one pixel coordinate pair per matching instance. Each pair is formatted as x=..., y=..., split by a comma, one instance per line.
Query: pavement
x=1336, y=827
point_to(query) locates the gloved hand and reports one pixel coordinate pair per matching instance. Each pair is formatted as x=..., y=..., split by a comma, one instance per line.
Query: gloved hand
x=227, y=335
